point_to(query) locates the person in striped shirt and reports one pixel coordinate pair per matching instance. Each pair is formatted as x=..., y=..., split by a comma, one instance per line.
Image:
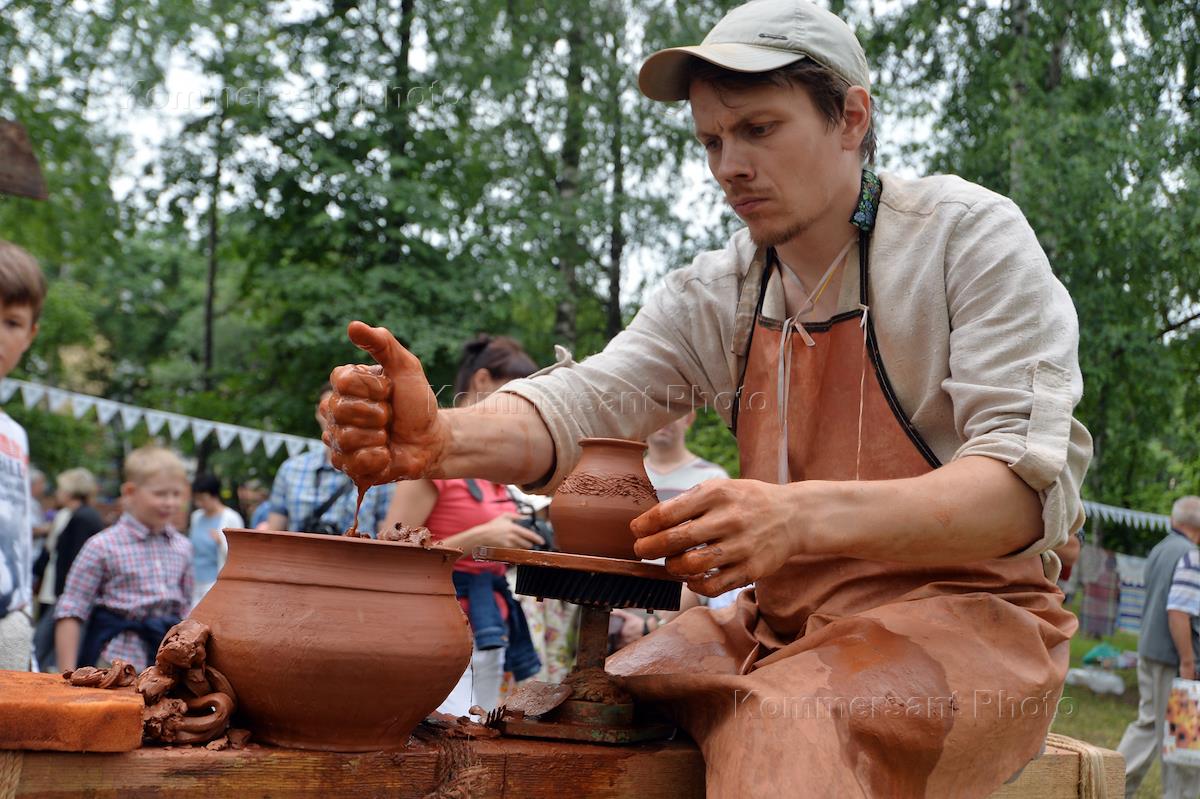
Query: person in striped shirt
x=132, y=582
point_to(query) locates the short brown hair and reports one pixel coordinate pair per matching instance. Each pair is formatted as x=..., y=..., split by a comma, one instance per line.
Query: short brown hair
x=21, y=279
x=503, y=357
x=146, y=463
x=826, y=88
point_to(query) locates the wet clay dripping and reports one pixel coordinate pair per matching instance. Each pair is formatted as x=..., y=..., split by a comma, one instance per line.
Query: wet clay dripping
x=336, y=643
x=594, y=505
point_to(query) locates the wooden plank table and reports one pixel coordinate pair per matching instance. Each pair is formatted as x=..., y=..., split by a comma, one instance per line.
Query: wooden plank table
x=481, y=769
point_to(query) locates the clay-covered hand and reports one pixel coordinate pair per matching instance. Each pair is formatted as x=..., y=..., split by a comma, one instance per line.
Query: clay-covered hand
x=383, y=422
x=721, y=534
x=503, y=531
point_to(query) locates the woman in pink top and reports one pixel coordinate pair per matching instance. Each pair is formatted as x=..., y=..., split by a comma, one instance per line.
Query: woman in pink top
x=468, y=513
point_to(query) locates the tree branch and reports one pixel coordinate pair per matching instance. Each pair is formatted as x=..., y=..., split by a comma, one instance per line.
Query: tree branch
x=1181, y=323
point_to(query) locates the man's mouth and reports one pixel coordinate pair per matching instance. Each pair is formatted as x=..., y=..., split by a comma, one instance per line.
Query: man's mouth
x=745, y=205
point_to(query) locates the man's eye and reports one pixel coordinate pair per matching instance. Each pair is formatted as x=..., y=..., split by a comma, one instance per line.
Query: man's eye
x=760, y=130
x=711, y=144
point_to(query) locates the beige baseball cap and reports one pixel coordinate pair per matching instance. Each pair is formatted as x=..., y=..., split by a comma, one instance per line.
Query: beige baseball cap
x=757, y=37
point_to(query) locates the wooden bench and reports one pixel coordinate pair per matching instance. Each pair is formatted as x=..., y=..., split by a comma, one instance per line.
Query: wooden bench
x=481, y=769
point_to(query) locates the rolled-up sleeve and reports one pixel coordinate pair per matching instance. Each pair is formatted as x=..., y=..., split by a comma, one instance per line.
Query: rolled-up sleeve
x=1014, y=363
x=667, y=362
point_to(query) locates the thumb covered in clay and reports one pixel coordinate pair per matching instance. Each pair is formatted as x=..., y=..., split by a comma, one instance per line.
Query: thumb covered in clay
x=383, y=347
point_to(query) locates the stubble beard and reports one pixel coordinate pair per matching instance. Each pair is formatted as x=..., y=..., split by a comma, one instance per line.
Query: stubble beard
x=773, y=237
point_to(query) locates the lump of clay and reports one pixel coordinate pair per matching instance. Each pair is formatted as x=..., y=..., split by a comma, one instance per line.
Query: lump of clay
x=119, y=675
x=153, y=684
x=408, y=535
x=183, y=646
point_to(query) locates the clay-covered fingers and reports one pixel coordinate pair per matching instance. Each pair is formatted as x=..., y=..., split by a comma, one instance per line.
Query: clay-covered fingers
x=720, y=581
x=361, y=380
x=356, y=412
x=702, y=559
x=675, y=540
x=674, y=512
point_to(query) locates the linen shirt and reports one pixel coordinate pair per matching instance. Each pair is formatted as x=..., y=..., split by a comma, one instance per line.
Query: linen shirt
x=305, y=481
x=134, y=572
x=977, y=336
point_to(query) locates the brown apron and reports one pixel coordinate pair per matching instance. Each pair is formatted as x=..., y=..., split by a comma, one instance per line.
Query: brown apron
x=840, y=677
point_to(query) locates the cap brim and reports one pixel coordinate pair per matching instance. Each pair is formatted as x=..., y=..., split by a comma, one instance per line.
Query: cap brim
x=664, y=75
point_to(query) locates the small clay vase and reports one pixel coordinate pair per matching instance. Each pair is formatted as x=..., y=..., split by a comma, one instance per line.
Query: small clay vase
x=335, y=643
x=607, y=490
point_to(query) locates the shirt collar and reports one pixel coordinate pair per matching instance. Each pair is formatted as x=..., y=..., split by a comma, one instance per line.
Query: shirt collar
x=863, y=218
x=140, y=531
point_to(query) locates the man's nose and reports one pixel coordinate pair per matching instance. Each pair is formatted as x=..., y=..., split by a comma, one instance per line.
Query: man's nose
x=733, y=164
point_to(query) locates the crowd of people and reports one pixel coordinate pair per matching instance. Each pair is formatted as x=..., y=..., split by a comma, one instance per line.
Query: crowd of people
x=86, y=579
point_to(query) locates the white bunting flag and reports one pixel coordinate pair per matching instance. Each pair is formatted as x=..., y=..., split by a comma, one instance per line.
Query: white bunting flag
x=7, y=389
x=271, y=443
x=32, y=394
x=295, y=445
x=226, y=433
x=130, y=416
x=249, y=439
x=155, y=421
x=57, y=399
x=81, y=404
x=201, y=429
x=177, y=425
x=106, y=410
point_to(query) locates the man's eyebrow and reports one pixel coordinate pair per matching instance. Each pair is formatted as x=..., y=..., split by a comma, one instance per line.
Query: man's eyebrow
x=741, y=121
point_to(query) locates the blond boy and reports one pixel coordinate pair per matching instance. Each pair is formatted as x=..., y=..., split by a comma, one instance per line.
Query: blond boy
x=22, y=291
x=133, y=581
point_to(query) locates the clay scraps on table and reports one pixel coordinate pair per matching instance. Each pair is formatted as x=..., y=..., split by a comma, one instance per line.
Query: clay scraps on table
x=187, y=701
x=399, y=532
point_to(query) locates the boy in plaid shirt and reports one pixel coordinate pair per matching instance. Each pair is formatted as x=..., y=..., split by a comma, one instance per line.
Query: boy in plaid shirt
x=132, y=582
x=22, y=291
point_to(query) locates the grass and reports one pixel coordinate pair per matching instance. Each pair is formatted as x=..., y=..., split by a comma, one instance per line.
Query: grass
x=1101, y=718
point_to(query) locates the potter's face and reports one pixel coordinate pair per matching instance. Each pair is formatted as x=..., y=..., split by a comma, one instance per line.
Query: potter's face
x=155, y=502
x=774, y=155
x=17, y=329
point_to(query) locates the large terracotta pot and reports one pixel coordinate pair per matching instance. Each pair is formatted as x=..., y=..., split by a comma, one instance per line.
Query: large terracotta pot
x=335, y=643
x=607, y=490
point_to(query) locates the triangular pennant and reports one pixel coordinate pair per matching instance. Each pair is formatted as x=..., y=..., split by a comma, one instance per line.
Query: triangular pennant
x=226, y=433
x=7, y=389
x=31, y=394
x=249, y=439
x=201, y=429
x=106, y=410
x=57, y=399
x=295, y=445
x=155, y=421
x=177, y=425
x=271, y=444
x=81, y=404
x=130, y=416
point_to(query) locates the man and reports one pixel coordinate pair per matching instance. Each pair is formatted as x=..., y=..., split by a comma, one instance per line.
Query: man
x=670, y=465
x=1167, y=648
x=900, y=367
x=310, y=495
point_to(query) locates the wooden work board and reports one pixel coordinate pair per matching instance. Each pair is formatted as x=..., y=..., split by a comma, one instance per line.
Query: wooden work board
x=481, y=769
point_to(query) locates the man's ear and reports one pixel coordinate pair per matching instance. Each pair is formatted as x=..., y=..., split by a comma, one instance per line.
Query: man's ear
x=127, y=489
x=856, y=117
x=33, y=331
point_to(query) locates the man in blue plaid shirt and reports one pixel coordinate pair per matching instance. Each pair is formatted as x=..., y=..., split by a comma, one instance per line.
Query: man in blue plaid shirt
x=307, y=481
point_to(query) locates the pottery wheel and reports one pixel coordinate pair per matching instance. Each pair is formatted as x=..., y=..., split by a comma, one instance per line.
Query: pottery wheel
x=598, y=585
x=588, y=580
